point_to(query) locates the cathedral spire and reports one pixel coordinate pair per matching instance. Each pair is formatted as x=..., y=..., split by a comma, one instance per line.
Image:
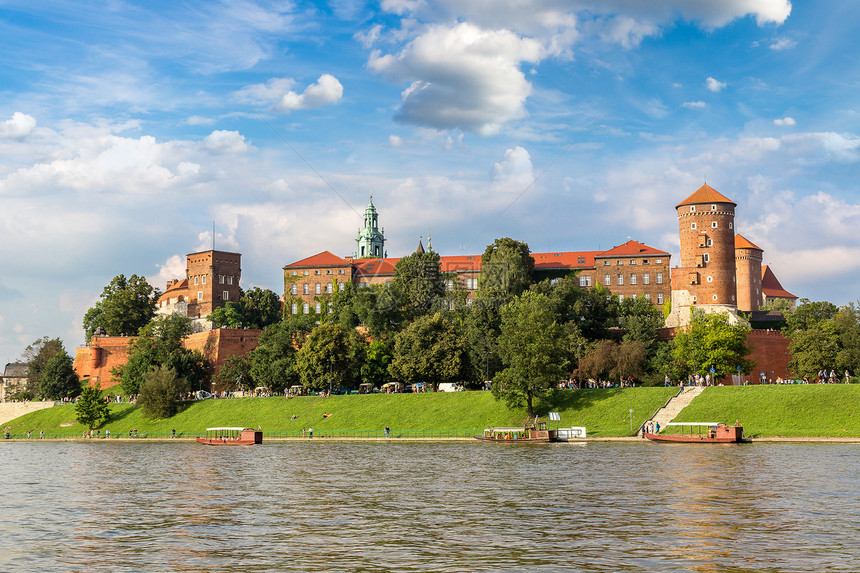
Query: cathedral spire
x=370, y=242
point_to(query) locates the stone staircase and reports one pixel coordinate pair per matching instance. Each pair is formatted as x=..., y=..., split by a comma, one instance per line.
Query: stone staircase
x=674, y=406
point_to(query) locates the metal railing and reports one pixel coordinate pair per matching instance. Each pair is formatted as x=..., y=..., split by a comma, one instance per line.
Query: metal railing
x=357, y=434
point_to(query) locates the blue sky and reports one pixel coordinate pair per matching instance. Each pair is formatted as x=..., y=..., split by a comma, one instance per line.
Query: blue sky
x=127, y=128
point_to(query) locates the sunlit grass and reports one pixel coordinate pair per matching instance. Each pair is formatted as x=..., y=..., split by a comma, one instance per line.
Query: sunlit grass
x=602, y=412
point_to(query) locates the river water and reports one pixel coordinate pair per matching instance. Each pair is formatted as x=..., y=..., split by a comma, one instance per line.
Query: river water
x=429, y=507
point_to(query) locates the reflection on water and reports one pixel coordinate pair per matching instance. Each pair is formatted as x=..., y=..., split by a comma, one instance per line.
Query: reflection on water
x=429, y=507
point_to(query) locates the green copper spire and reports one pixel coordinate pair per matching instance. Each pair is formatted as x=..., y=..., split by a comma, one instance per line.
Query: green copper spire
x=370, y=242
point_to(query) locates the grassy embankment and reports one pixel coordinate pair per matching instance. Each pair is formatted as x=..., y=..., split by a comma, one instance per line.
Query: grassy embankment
x=814, y=410
x=602, y=412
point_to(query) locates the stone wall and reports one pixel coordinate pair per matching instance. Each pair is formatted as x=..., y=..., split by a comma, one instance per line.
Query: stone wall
x=11, y=410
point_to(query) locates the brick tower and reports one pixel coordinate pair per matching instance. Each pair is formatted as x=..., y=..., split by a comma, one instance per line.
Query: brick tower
x=213, y=280
x=748, y=259
x=706, y=278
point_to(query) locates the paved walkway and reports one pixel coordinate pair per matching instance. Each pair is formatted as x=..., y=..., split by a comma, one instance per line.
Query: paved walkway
x=674, y=406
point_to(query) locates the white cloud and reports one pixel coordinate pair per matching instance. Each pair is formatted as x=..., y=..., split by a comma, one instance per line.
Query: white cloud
x=173, y=268
x=784, y=121
x=714, y=85
x=461, y=77
x=515, y=172
x=694, y=104
x=20, y=125
x=267, y=93
x=221, y=141
x=395, y=140
x=782, y=44
x=326, y=90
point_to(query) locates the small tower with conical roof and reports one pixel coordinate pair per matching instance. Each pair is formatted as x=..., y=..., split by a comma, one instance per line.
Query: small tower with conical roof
x=748, y=259
x=370, y=242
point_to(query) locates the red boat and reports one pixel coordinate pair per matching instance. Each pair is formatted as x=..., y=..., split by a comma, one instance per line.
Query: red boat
x=229, y=436
x=699, y=432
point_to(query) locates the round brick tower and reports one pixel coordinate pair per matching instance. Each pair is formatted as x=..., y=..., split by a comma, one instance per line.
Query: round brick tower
x=706, y=221
x=748, y=268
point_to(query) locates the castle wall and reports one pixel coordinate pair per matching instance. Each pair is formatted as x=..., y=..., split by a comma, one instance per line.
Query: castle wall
x=95, y=361
x=748, y=271
x=708, y=251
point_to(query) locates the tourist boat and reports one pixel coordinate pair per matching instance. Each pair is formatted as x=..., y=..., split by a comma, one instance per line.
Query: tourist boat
x=231, y=436
x=699, y=432
x=529, y=434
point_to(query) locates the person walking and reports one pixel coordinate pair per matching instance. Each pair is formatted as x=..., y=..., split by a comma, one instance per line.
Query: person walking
x=387, y=432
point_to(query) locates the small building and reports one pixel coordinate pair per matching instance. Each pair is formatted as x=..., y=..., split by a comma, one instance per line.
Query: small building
x=15, y=378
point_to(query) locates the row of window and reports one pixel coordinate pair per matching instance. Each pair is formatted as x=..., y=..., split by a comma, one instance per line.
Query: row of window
x=318, y=272
x=646, y=279
x=222, y=279
x=306, y=308
x=647, y=296
x=225, y=295
x=714, y=225
x=693, y=208
x=318, y=287
x=620, y=262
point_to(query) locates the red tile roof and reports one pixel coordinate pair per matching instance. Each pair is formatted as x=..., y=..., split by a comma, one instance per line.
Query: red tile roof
x=770, y=285
x=632, y=248
x=705, y=194
x=742, y=242
x=564, y=260
x=323, y=259
x=365, y=267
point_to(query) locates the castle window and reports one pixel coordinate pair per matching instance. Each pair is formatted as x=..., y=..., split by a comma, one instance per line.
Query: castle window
x=692, y=208
x=306, y=273
x=659, y=261
x=632, y=261
x=659, y=278
x=220, y=279
x=330, y=308
x=341, y=286
x=620, y=298
x=317, y=289
x=341, y=271
x=295, y=274
x=710, y=279
x=294, y=290
x=647, y=296
x=204, y=279
x=585, y=280
x=606, y=280
x=713, y=207
x=294, y=308
x=619, y=263
x=305, y=289
x=449, y=285
x=707, y=257
x=620, y=279
x=714, y=225
x=644, y=261
x=317, y=272
x=229, y=280
x=317, y=308
x=195, y=280
x=633, y=278
x=715, y=297
x=730, y=225
x=646, y=278
x=328, y=272
x=329, y=288
x=472, y=284
x=710, y=242
x=693, y=300
x=693, y=226
x=659, y=298
x=606, y=263
x=306, y=308
x=199, y=296
x=225, y=295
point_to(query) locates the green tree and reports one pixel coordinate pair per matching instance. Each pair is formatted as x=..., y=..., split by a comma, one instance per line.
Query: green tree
x=506, y=269
x=36, y=356
x=640, y=319
x=324, y=359
x=810, y=314
x=534, y=349
x=483, y=322
x=419, y=280
x=235, y=373
x=273, y=362
x=260, y=307
x=159, y=343
x=91, y=410
x=126, y=305
x=433, y=350
x=374, y=367
x=814, y=348
x=847, y=322
x=231, y=315
x=159, y=392
x=712, y=341
x=59, y=379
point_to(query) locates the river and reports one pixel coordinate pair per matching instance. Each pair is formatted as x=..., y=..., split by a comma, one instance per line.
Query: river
x=429, y=507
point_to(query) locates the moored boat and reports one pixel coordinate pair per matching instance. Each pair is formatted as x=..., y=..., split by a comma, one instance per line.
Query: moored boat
x=231, y=436
x=699, y=432
x=530, y=433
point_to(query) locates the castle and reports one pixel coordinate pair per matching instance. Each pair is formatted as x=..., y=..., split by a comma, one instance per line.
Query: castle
x=720, y=271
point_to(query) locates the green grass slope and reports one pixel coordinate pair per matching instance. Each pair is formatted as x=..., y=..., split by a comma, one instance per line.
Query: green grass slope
x=813, y=410
x=602, y=412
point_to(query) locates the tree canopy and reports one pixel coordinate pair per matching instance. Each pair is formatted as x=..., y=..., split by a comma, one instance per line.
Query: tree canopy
x=433, y=350
x=506, y=269
x=711, y=341
x=534, y=350
x=257, y=308
x=159, y=392
x=126, y=306
x=419, y=281
x=37, y=355
x=324, y=358
x=59, y=379
x=91, y=410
